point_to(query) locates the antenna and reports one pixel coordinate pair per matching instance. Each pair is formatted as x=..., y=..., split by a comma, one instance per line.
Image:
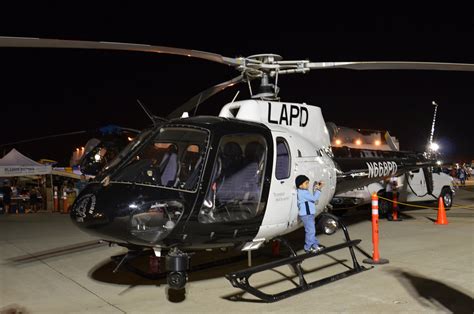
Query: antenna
x=148, y=113
x=197, y=104
x=233, y=99
x=250, y=88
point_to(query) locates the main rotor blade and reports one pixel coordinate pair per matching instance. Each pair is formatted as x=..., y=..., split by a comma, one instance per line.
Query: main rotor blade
x=102, y=45
x=202, y=96
x=392, y=65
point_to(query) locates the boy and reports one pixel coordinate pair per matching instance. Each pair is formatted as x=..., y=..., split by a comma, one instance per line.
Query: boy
x=307, y=210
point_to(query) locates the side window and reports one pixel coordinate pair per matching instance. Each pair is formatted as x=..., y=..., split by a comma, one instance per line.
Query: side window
x=283, y=164
x=236, y=180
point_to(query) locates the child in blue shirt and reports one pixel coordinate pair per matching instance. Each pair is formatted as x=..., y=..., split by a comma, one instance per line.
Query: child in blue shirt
x=307, y=211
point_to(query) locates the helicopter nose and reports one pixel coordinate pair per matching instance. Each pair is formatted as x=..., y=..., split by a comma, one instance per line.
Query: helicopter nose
x=85, y=211
x=124, y=212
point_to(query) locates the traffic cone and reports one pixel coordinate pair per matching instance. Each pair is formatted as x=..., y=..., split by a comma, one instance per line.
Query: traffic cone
x=442, y=219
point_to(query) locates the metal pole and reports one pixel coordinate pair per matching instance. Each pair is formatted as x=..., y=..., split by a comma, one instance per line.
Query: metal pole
x=52, y=194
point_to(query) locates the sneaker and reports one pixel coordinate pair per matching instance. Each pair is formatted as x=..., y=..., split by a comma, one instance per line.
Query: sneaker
x=317, y=248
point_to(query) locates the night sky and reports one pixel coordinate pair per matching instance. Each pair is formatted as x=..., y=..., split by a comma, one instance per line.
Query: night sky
x=52, y=91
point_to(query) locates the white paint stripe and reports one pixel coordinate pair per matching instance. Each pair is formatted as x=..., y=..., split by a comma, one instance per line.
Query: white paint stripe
x=375, y=211
x=375, y=203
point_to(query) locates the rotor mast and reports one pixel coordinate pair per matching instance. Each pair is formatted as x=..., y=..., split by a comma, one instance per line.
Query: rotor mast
x=265, y=67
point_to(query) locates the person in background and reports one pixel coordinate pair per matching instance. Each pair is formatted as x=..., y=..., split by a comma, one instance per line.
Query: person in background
x=307, y=211
x=14, y=195
x=7, y=198
x=462, y=174
x=81, y=184
x=34, y=200
x=391, y=188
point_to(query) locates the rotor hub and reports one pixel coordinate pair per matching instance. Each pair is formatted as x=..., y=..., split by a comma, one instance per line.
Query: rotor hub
x=266, y=58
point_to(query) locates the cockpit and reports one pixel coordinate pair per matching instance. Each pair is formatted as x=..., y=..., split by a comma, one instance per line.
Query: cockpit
x=202, y=171
x=173, y=158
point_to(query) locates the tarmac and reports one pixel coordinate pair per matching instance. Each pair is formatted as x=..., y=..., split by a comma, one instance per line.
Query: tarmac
x=47, y=265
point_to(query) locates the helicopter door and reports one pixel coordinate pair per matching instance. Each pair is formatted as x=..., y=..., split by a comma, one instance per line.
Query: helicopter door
x=236, y=181
x=282, y=197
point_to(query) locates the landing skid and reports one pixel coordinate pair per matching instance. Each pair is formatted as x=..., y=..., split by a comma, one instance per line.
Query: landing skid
x=124, y=260
x=240, y=279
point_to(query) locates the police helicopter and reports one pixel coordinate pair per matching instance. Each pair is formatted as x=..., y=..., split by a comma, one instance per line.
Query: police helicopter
x=204, y=182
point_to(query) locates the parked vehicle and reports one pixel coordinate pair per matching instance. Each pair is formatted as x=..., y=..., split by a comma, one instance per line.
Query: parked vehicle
x=413, y=187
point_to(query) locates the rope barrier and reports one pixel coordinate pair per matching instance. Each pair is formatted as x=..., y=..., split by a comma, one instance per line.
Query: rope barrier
x=426, y=207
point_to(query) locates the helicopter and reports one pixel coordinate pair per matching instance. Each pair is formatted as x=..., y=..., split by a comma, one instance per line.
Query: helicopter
x=202, y=182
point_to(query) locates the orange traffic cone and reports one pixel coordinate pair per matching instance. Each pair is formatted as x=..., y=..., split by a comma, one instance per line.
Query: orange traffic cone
x=442, y=220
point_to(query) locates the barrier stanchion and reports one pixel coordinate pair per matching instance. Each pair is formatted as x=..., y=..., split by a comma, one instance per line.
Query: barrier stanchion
x=56, y=201
x=395, y=207
x=65, y=203
x=375, y=234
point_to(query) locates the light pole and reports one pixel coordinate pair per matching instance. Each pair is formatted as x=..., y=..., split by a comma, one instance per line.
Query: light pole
x=433, y=147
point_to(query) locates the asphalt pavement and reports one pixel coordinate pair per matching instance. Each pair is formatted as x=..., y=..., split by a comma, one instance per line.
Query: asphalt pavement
x=49, y=266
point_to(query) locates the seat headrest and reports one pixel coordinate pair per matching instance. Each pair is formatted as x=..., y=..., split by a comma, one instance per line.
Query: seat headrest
x=232, y=150
x=254, y=151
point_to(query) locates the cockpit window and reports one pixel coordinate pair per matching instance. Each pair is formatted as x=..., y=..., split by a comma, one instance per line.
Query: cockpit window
x=134, y=143
x=236, y=180
x=174, y=158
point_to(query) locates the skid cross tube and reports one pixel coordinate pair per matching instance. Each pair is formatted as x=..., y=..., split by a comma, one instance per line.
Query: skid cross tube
x=240, y=279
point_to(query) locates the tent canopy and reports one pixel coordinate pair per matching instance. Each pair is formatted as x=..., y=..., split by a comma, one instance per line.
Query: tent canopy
x=15, y=164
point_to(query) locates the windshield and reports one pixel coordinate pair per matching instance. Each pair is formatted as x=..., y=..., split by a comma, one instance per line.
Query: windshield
x=130, y=147
x=174, y=158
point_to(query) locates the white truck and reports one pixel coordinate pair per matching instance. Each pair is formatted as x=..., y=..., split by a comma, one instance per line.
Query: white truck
x=412, y=187
x=420, y=185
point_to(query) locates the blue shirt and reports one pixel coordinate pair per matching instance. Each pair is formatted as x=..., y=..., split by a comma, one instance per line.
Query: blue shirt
x=306, y=202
